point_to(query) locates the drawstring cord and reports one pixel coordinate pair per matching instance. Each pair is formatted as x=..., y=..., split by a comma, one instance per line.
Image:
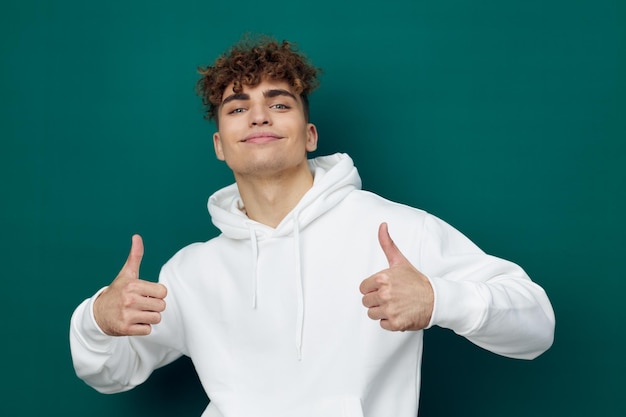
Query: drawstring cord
x=299, y=285
x=298, y=276
x=255, y=259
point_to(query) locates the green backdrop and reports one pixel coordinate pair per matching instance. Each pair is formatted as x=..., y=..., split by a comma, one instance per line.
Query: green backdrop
x=505, y=118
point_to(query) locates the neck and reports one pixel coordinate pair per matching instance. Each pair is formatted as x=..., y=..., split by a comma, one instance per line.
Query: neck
x=268, y=200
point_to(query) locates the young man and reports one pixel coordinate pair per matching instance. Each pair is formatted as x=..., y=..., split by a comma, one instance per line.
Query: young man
x=301, y=306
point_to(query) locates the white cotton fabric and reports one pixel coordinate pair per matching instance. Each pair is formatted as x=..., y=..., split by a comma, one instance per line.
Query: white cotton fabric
x=273, y=320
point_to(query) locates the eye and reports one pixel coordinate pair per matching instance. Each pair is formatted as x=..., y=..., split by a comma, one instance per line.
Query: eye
x=280, y=106
x=237, y=110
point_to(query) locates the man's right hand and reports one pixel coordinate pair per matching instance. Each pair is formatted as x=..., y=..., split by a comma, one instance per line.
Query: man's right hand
x=130, y=306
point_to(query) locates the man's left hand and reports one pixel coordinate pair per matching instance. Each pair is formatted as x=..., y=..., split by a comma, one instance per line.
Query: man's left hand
x=401, y=297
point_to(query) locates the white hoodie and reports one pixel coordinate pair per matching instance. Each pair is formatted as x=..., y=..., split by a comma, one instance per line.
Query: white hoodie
x=273, y=319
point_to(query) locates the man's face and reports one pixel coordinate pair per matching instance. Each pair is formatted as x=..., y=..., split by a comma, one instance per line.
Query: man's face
x=263, y=130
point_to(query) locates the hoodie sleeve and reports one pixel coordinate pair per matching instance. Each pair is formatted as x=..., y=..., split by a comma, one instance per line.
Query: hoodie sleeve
x=490, y=301
x=113, y=364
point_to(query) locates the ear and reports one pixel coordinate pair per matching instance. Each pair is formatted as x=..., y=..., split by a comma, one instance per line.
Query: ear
x=217, y=144
x=311, y=139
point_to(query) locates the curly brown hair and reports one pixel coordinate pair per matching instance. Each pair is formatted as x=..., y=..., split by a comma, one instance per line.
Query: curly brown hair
x=250, y=61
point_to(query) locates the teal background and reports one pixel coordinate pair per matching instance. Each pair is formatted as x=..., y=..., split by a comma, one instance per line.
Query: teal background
x=507, y=119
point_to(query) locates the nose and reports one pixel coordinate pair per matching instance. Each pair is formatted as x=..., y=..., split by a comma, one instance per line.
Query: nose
x=259, y=116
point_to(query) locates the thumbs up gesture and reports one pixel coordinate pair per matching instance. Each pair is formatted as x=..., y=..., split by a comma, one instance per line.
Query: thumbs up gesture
x=130, y=306
x=401, y=297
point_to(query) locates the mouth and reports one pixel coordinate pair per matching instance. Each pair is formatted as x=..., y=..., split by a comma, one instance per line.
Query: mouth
x=261, y=137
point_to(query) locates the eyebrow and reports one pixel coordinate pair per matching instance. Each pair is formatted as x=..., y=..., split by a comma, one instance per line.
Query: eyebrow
x=278, y=92
x=267, y=94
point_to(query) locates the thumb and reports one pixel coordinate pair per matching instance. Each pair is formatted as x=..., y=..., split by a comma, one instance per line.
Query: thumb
x=393, y=254
x=134, y=257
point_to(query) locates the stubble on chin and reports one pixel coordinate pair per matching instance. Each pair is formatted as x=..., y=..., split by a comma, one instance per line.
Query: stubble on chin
x=273, y=167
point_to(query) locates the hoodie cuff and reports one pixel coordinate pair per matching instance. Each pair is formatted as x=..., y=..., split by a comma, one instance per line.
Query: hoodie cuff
x=459, y=305
x=86, y=328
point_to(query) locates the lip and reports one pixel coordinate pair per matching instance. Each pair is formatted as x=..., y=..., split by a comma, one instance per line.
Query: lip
x=261, y=137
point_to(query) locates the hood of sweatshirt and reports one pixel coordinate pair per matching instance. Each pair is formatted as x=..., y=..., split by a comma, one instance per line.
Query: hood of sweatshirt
x=335, y=176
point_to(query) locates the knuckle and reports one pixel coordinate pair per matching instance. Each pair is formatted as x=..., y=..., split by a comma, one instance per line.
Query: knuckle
x=122, y=329
x=394, y=319
x=367, y=301
x=394, y=325
x=382, y=278
x=132, y=286
x=128, y=300
x=124, y=320
x=385, y=294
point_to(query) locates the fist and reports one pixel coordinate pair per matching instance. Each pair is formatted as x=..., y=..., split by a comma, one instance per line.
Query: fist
x=400, y=296
x=130, y=306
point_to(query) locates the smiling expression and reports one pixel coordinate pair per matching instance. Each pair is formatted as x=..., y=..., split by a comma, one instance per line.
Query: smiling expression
x=263, y=130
